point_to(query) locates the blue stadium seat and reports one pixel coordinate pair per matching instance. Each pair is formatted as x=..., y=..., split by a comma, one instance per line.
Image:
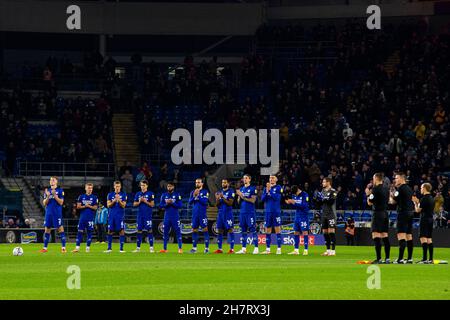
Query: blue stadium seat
x=348, y=215
x=366, y=217
x=393, y=216
x=357, y=216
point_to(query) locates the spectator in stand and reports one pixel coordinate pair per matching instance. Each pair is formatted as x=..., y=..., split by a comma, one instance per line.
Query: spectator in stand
x=439, y=115
x=47, y=74
x=441, y=218
x=101, y=145
x=395, y=145
x=27, y=223
x=350, y=231
x=438, y=202
x=420, y=131
x=163, y=175
x=146, y=171
x=284, y=133
x=12, y=224
x=347, y=132
x=127, y=182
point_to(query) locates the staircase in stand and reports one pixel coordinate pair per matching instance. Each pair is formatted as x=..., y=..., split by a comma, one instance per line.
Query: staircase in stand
x=32, y=209
x=392, y=61
x=126, y=142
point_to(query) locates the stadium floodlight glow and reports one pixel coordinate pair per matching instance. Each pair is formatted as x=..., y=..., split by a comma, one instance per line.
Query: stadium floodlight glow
x=214, y=152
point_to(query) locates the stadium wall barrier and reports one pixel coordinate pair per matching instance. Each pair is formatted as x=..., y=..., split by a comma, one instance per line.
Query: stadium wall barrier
x=363, y=237
x=24, y=236
x=133, y=18
x=349, y=11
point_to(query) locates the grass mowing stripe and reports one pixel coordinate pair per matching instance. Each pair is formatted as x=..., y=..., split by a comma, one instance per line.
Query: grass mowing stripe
x=199, y=276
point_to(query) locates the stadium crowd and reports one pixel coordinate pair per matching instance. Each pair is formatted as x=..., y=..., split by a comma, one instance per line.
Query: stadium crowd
x=74, y=130
x=348, y=117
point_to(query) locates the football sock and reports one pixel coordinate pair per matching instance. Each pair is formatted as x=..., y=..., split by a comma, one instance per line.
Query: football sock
x=110, y=241
x=139, y=240
x=387, y=247
x=332, y=240
x=296, y=241
x=150, y=238
x=401, y=249
x=279, y=240
x=305, y=241
x=46, y=239
x=79, y=238
x=63, y=239
x=255, y=239
x=327, y=240
x=165, y=237
x=179, y=239
x=231, y=240
x=410, y=246
x=122, y=241
x=194, y=239
x=206, y=235
x=219, y=240
x=377, y=242
x=425, y=250
x=89, y=238
x=244, y=240
x=268, y=240
x=430, y=250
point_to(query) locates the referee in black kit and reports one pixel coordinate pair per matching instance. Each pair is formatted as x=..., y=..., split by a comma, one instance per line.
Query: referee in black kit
x=402, y=196
x=425, y=207
x=378, y=197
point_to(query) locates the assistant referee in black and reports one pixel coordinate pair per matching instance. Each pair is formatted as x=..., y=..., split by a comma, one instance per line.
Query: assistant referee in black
x=402, y=196
x=378, y=198
x=425, y=207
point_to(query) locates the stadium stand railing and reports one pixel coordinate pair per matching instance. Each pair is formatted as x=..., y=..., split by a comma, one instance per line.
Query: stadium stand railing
x=62, y=169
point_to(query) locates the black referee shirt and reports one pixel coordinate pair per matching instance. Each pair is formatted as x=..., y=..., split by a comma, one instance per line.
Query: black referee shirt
x=427, y=206
x=379, y=198
x=403, y=197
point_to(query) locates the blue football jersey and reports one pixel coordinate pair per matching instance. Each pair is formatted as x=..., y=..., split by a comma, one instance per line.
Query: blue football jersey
x=91, y=200
x=248, y=192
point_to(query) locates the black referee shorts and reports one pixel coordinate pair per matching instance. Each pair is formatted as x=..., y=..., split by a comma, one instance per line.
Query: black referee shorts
x=380, y=221
x=426, y=228
x=405, y=222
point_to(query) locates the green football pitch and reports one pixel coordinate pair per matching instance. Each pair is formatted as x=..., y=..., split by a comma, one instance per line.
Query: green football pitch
x=187, y=276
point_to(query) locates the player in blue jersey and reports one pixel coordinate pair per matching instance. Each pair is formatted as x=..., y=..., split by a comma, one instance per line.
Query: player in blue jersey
x=199, y=200
x=88, y=204
x=116, y=202
x=224, y=201
x=247, y=195
x=145, y=201
x=271, y=196
x=53, y=201
x=171, y=203
x=300, y=201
